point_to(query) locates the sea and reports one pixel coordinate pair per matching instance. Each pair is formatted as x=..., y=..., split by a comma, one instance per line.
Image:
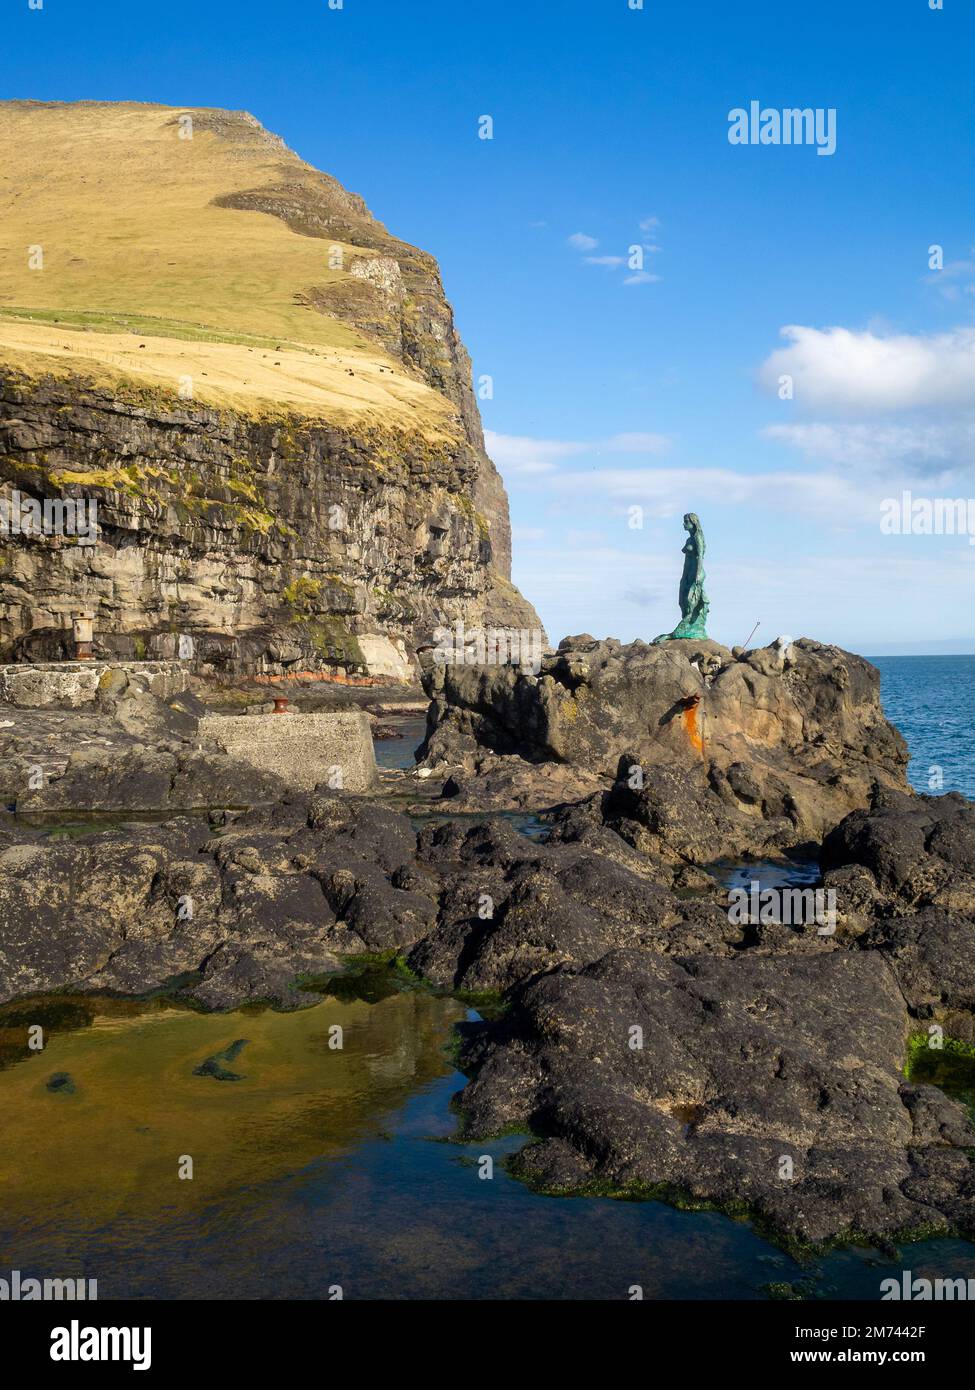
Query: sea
x=931, y=699
x=316, y=1172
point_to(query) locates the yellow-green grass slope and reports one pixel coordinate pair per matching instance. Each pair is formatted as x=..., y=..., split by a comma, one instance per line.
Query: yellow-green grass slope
x=145, y=276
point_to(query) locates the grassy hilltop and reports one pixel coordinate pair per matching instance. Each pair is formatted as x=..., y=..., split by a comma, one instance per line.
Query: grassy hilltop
x=209, y=257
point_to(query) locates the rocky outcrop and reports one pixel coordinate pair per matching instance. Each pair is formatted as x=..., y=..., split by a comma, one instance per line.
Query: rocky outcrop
x=220, y=917
x=903, y=872
x=650, y=1047
x=271, y=546
x=765, y=1084
x=395, y=294
x=707, y=752
x=905, y=852
x=124, y=748
x=510, y=911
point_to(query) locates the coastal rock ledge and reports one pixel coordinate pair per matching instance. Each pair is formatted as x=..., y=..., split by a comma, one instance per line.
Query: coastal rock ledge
x=707, y=752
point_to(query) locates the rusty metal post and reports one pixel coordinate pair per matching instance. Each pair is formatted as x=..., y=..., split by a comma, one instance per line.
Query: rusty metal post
x=82, y=627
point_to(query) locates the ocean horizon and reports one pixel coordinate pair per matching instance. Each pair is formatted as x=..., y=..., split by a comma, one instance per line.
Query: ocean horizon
x=931, y=699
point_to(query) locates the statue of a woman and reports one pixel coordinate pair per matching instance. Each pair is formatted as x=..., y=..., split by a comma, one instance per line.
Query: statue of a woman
x=694, y=603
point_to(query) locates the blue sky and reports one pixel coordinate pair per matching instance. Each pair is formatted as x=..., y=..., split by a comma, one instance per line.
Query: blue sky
x=615, y=389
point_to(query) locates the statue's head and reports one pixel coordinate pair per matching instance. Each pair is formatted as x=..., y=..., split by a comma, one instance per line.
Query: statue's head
x=691, y=521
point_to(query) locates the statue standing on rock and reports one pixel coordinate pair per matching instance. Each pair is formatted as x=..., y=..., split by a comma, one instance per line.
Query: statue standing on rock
x=694, y=603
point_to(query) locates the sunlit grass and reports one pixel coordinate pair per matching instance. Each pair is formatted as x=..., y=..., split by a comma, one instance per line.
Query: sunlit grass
x=121, y=216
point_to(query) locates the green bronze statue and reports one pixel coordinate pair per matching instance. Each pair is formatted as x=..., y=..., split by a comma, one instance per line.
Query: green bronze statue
x=693, y=600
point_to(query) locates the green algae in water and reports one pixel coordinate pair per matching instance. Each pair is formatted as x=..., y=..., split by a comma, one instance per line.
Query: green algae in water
x=142, y=1094
x=950, y=1067
x=214, y=1066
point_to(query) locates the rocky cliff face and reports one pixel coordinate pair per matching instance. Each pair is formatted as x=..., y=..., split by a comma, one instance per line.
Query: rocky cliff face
x=275, y=545
x=313, y=499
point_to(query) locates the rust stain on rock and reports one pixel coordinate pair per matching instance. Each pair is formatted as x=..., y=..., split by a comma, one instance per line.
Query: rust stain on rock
x=690, y=719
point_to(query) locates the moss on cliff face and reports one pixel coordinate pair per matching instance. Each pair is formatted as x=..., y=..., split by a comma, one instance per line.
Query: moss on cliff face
x=477, y=519
x=228, y=528
x=334, y=643
x=303, y=595
x=227, y=501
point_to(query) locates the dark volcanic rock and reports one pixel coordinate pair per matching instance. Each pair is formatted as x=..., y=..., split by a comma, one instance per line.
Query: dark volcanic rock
x=765, y=1074
x=649, y=1042
x=128, y=751
x=771, y=747
x=675, y=814
x=226, y=918
x=151, y=779
x=904, y=876
x=503, y=782
x=916, y=850
x=772, y=1083
x=932, y=954
x=511, y=909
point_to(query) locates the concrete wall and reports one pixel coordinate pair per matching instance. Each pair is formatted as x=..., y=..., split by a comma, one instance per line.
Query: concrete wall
x=304, y=749
x=73, y=684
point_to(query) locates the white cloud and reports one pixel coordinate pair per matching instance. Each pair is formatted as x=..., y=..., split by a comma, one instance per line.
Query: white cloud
x=918, y=447
x=637, y=443
x=840, y=499
x=530, y=465
x=517, y=453
x=667, y=492
x=577, y=538
x=945, y=280
x=861, y=372
x=582, y=242
x=644, y=595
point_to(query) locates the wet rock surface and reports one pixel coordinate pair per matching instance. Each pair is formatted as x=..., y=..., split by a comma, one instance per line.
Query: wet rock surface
x=913, y=851
x=648, y=1039
x=904, y=871
x=764, y=1072
x=222, y=914
x=510, y=910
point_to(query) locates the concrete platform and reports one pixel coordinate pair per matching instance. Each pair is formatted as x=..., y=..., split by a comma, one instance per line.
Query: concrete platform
x=304, y=749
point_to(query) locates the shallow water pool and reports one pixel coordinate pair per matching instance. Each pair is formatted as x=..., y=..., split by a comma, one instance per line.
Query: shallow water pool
x=315, y=1166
